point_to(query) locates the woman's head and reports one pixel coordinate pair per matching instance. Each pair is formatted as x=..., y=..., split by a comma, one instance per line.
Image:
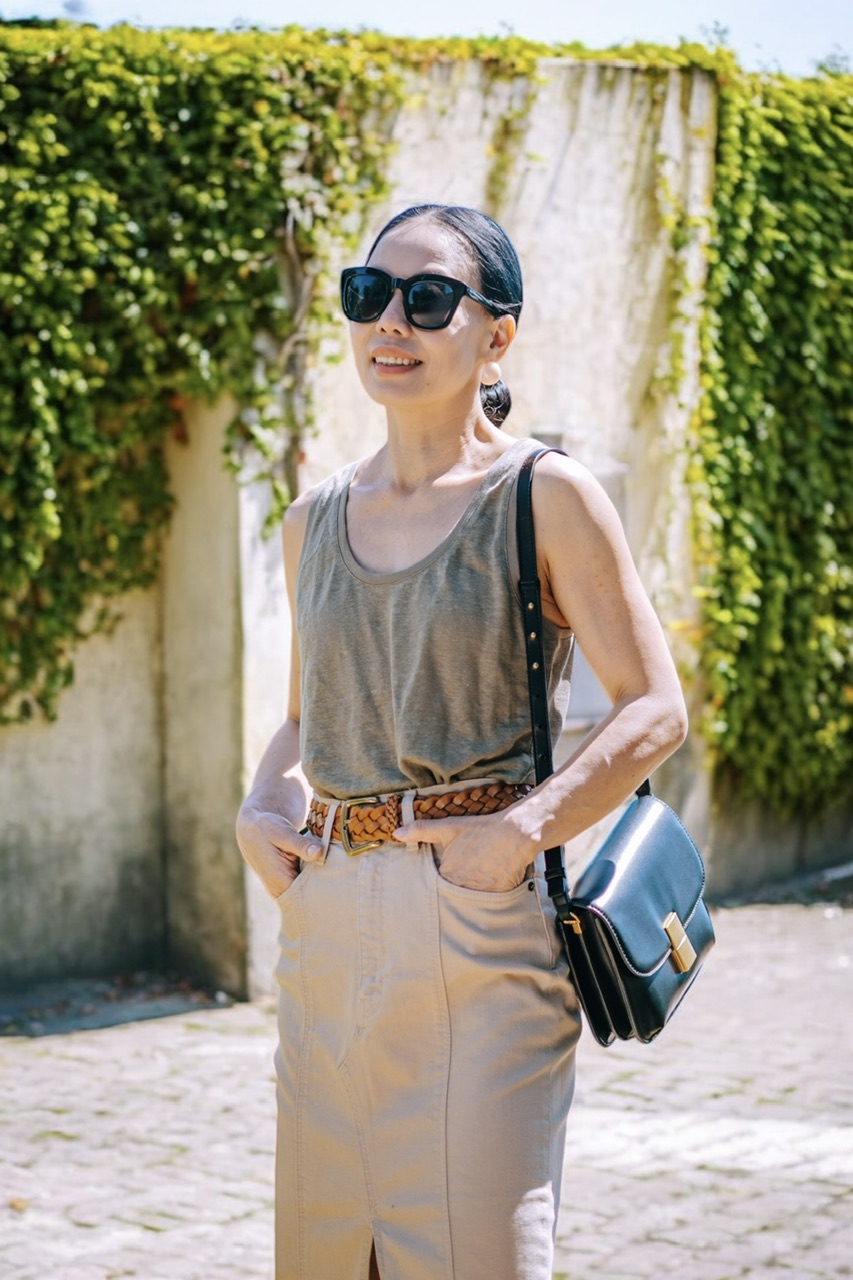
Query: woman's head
x=495, y=259
x=476, y=252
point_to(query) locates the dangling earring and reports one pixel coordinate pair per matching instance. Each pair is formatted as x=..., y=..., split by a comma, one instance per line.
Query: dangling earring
x=491, y=374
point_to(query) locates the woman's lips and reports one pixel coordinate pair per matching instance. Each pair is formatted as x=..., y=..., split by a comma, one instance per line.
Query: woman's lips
x=395, y=365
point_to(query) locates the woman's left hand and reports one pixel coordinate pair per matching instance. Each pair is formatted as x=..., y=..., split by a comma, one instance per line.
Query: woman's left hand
x=486, y=853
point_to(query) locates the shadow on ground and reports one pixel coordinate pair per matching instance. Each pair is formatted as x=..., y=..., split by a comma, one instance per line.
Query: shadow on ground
x=833, y=886
x=84, y=1004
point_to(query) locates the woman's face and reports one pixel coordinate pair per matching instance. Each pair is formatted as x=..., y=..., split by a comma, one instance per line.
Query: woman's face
x=404, y=367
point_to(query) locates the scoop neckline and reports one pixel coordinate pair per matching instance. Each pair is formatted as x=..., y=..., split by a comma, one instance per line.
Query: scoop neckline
x=358, y=570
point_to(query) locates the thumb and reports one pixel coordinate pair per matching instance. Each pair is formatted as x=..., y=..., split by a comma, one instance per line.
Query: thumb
x=413, y=834
x=426, y=831
x=299, y=844
x=309, y=848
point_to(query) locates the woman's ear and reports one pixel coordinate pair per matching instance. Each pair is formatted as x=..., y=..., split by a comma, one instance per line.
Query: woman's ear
x=502, y=336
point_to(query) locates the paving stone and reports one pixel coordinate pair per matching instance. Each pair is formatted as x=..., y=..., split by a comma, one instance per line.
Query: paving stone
x=723, y=1151
x=739, y=1118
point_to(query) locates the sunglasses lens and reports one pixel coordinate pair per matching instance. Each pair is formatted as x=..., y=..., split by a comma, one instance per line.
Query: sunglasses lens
x=430, y=303
x=365, y=296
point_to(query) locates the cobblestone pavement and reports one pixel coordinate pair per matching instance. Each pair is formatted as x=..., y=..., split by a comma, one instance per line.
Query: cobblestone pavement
x=722, y=1152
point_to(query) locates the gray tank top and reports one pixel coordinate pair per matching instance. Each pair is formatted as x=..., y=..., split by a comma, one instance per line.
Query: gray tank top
x=418, y=678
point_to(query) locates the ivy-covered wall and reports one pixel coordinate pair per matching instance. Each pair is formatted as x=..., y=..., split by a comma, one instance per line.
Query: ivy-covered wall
x=151, y=188
x=773, y=472
x=168, y=201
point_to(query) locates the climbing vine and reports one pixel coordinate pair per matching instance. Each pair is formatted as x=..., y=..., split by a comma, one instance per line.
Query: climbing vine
x=169, y=202
x=166, y=206
x=774, y=474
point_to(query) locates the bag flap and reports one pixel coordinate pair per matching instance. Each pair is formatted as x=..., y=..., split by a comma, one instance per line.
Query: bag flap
x=646, y=868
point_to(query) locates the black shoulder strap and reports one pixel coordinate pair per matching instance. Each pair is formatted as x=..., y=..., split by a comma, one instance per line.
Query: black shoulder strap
x=532, y=614
x=531, y=607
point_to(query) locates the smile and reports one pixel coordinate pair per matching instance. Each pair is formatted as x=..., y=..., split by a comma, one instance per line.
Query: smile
x=395, y=360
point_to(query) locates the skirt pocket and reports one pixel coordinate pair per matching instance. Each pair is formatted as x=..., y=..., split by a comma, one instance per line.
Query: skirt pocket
x=512, y=923
x=287, y=898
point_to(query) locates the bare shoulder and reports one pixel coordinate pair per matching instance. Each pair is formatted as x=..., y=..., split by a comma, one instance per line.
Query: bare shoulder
x=296, y=516
x=295, y=521
x=567, y=496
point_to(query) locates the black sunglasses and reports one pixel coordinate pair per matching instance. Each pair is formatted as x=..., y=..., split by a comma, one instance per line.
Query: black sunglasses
x=429, y=301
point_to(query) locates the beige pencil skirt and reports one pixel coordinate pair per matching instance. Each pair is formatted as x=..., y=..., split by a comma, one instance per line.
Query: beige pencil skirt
x=425, y=1071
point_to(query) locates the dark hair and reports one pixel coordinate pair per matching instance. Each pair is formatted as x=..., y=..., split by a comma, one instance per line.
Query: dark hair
x=498, y=267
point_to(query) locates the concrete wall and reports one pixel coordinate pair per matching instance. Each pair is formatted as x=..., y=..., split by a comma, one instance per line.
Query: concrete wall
x=202, y=717
x=81, y=816
x=116, y=847
x=266, y=659
x=750, y=845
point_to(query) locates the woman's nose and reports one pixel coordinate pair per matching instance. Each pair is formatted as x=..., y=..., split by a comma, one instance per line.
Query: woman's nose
x=394, y=315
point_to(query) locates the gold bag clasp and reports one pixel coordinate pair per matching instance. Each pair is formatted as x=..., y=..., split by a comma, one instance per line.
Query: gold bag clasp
x=683, y=954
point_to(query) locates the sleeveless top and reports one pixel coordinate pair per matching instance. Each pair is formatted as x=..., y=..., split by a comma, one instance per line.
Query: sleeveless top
x=418, y=678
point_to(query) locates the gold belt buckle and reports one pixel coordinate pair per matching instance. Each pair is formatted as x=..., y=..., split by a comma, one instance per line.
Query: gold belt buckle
x=346, y=805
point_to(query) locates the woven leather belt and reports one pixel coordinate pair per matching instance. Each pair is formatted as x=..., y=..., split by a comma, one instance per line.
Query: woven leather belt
x=365, y=822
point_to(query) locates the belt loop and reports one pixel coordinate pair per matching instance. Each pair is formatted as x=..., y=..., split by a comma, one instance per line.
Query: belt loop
x=334, y=805
x=407, y=808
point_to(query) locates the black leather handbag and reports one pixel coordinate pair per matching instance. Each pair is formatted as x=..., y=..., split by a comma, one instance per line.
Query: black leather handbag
x=636, y=929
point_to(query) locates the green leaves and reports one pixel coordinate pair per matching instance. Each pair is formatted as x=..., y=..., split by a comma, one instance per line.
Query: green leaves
x=150, y=185
x=775, y=526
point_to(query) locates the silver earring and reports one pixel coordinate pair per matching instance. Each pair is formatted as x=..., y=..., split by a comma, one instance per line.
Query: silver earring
x=491, y=374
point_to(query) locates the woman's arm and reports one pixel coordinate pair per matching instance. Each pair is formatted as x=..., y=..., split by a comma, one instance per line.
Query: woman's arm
x=589, y=583
x=272, y=813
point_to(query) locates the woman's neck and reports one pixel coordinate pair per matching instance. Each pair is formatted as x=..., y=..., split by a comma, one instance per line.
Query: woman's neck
x=407, y=498
x=421, y=449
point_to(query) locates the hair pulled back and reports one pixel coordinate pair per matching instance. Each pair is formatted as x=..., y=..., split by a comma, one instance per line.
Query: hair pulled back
x=498, y=268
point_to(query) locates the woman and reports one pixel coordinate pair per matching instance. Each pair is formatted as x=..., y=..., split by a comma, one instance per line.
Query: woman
x=427, y=1022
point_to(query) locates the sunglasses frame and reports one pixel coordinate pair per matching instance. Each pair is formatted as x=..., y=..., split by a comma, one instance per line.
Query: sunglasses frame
x=458, y=290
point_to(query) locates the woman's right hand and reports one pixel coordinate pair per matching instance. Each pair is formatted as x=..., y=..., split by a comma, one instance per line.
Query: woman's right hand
x=273, y=847
x=269, y=840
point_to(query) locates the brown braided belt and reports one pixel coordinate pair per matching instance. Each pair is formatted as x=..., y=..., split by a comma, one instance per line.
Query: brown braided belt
x=368, y=821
